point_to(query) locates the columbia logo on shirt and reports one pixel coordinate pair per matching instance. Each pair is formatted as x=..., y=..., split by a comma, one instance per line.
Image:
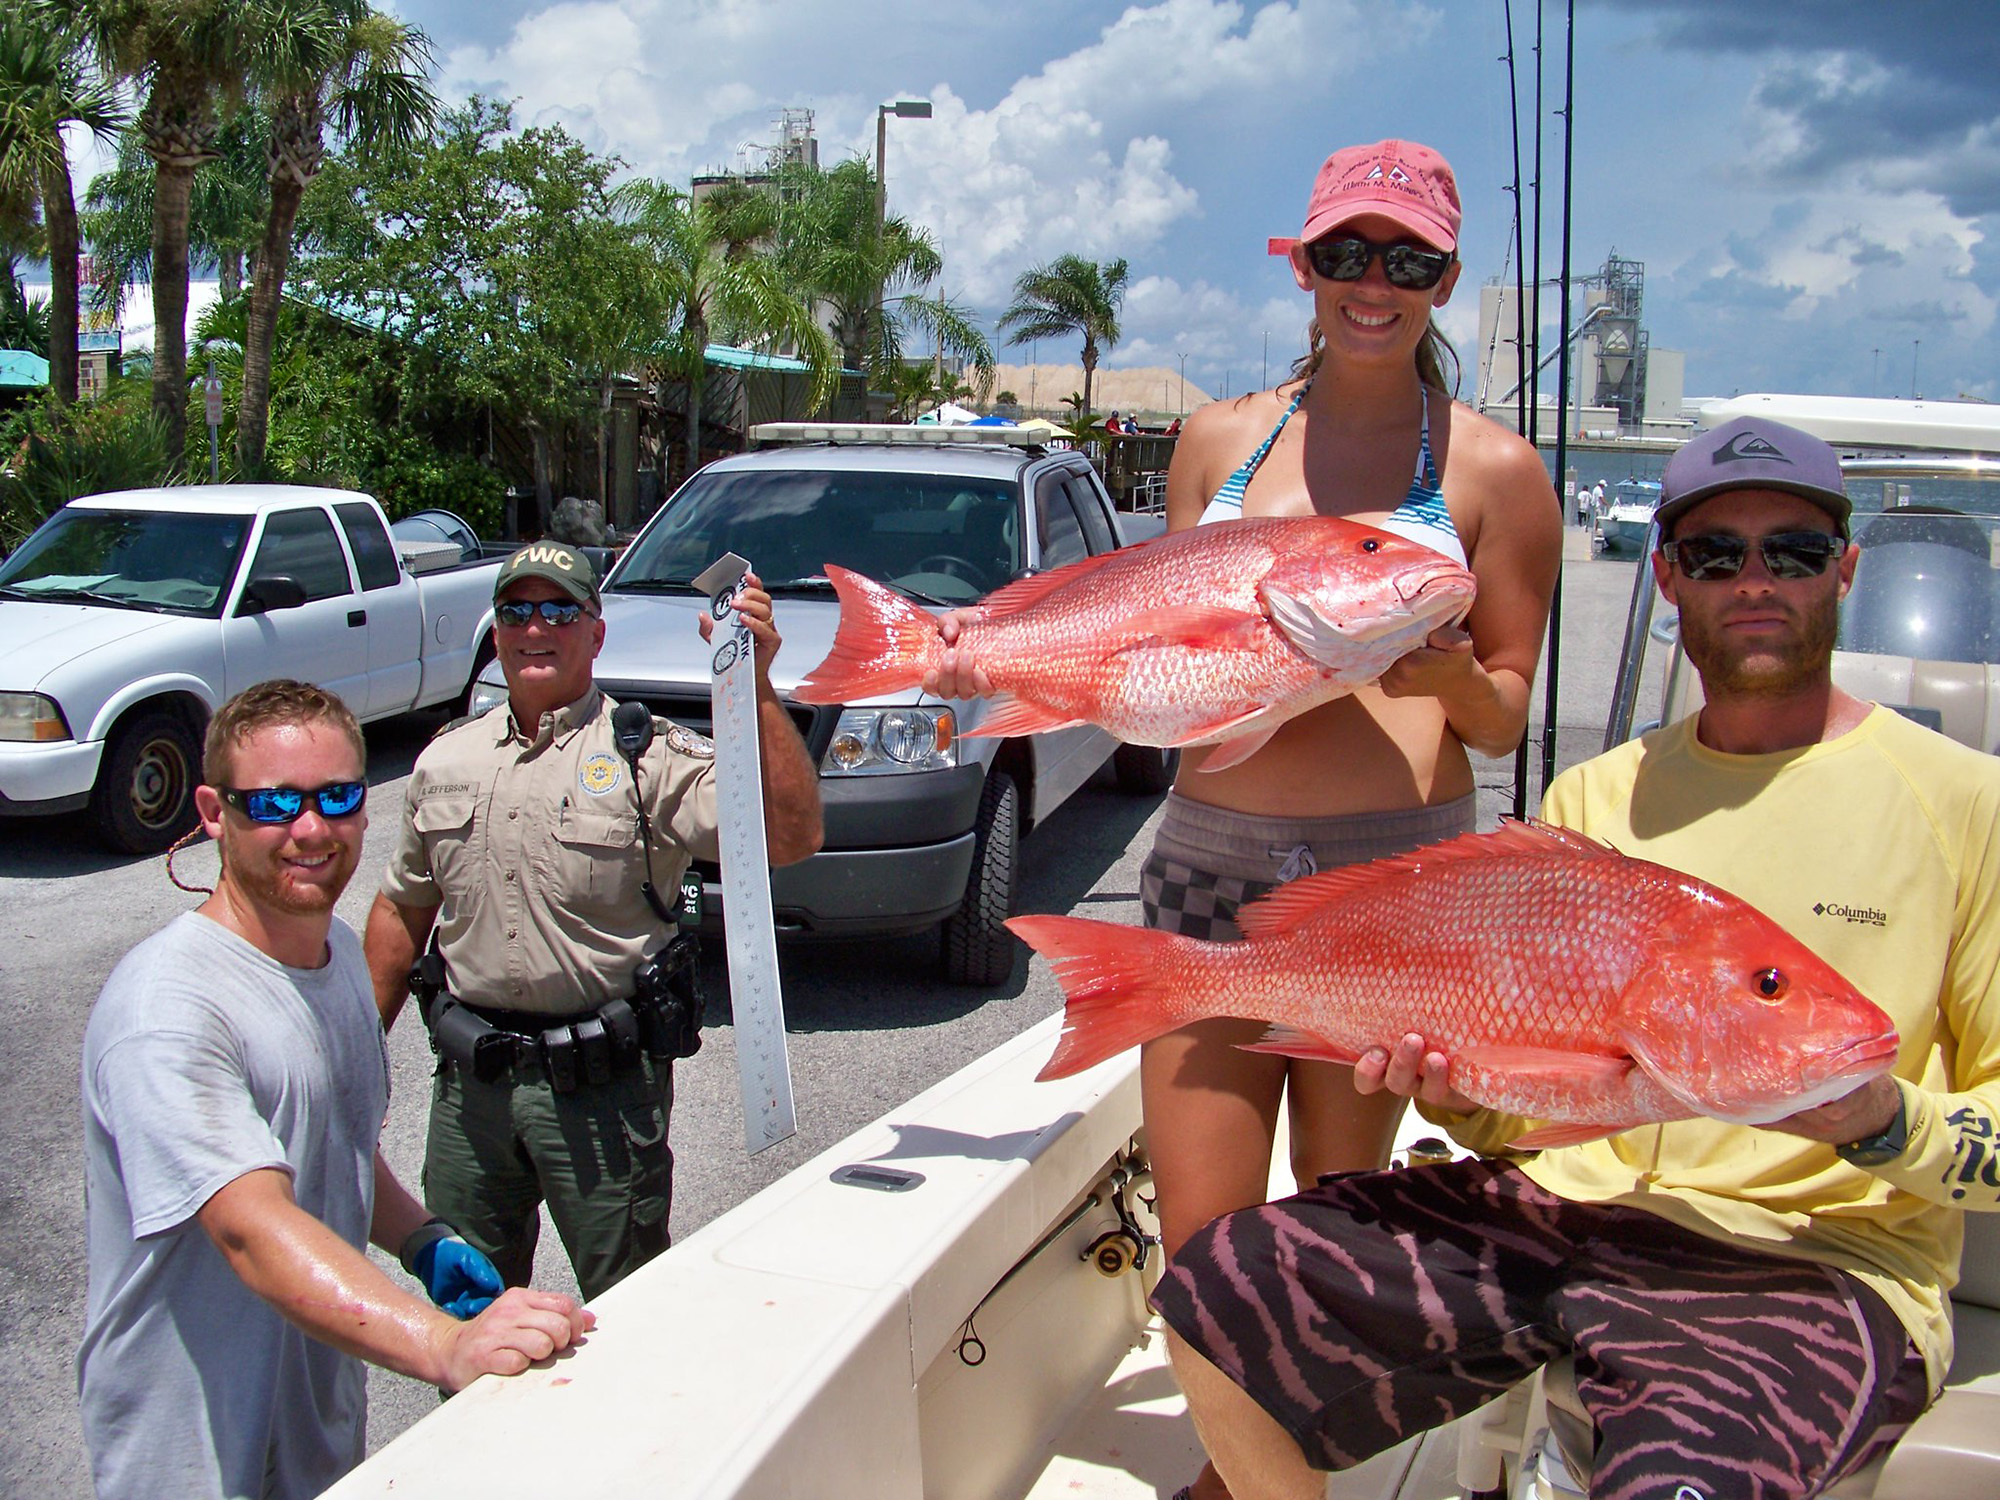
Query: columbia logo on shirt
x=1864, y=914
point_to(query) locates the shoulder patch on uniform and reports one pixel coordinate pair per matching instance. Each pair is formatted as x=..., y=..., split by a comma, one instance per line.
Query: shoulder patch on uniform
x=600, y=773
x=684, y=740
x=458, y=723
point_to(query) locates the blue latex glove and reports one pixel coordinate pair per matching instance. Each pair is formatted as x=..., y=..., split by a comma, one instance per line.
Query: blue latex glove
x=459, y=1277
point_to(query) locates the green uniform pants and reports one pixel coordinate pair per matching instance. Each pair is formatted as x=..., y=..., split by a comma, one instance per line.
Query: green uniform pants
x=597, y=1155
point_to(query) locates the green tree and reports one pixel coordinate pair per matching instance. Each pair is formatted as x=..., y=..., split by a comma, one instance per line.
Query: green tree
x=24, y=324
x=1069, y=296
x=832, y=250
x=191, y=59
x=225, y=209
x=483, y=252
x=45, y=85
x=715, y=287
x=319, y=62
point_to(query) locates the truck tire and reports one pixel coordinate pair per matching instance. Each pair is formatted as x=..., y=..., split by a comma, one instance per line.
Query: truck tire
x=144, y=797
x=1144, y=770
x=977, y=948
x=481, y=659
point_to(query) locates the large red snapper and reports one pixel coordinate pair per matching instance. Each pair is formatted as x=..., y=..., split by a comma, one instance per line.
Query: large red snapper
x=1565, y=982
x=1220, y=633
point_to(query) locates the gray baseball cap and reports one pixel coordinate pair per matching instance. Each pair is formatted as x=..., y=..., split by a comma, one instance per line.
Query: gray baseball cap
x=1752, y=453
x=561, y=564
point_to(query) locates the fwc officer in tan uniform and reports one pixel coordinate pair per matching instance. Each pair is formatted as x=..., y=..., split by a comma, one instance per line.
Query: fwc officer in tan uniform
x=520, y=844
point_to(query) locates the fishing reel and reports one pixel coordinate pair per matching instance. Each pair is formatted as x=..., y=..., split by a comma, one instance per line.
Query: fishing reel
x=1125, y=1248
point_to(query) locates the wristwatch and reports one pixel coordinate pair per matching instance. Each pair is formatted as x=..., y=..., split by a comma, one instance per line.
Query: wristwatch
x=1879, y=1150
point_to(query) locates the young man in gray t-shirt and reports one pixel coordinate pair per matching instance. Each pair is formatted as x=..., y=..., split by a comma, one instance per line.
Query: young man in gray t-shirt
x=234, y=1084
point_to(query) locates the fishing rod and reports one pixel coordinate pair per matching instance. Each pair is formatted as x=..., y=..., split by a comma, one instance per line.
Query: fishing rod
x=1562, y=389
x=1521, y=357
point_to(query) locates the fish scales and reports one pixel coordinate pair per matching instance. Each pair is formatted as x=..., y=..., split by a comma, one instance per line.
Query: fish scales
x=1217, y=633
x=1564, y=981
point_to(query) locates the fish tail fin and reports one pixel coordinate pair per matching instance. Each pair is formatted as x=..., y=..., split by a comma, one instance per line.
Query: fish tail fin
x=1115, y=995
x=883, y=644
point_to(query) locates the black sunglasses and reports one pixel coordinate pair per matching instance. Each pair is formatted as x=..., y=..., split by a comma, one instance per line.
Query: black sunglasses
x=517, y=612
x=1787, y=554
x=283, y=804
x=1415, y=268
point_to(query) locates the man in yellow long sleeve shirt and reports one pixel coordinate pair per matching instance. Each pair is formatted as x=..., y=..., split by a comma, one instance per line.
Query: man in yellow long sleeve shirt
x=1754, y=1311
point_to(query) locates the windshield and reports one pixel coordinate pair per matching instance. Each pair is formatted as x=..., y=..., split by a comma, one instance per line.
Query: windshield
x=946, y=539
x=1926, y=586
x=173, y=562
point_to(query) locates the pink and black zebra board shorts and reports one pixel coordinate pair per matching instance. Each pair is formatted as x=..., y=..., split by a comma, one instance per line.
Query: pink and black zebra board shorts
x=1382, y=1304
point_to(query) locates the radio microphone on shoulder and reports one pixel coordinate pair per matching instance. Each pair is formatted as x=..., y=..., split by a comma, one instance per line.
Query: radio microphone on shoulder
x=632, y=728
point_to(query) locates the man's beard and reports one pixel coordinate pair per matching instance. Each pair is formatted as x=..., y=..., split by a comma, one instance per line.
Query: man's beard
x=1765, y=668
x=264, y=884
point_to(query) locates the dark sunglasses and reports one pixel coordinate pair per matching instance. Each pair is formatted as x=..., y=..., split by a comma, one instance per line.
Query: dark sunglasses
x=283, y=804
x=1412, y=267
x=517, y=612
x=1787, y=554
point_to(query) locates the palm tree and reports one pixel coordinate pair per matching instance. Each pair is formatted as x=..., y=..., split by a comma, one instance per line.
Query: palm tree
x=1069, y=295
x=320, y=60
x=717, y=294
x=191, y=58
x=225, y=209
x=870, y=279
x=44, y=86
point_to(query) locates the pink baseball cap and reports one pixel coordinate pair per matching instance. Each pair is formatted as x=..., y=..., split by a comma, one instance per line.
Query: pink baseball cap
x=1399, y=180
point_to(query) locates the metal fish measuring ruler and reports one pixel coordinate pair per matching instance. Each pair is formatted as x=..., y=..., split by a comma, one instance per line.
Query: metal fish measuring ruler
x=749, y=932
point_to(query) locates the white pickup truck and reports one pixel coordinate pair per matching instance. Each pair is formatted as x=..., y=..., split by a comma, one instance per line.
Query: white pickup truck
x=128, y=618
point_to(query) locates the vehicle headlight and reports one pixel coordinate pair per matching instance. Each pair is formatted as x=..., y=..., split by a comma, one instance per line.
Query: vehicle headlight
x=487, y=695
x=31, y=716
x=882, y=741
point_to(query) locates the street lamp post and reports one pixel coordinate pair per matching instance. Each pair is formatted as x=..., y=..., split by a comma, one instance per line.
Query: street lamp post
x=902, y=109
x=1916, y=348
x=1183, y=359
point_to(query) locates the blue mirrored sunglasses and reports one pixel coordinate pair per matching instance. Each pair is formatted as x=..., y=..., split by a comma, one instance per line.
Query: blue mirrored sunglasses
x=517, y=612
x=283, y=804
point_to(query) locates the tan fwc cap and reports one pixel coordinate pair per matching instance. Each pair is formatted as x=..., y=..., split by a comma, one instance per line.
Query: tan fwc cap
x=561, y=564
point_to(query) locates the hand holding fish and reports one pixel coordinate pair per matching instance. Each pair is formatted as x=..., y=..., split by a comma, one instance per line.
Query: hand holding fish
x=1441, y=667
x=957, y=673
x=1413, y=1070
x=1852, y=1117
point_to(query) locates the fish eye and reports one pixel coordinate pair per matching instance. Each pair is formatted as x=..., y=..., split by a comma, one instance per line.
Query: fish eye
x=1771, y=983
x=1370, y=544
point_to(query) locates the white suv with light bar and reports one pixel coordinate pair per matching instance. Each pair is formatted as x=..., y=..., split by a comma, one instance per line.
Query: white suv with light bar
x=923, y=825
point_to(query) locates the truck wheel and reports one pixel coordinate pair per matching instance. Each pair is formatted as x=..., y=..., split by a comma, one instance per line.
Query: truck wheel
x=480, y=661
x=977, y=948
x=144, y=797
x=1144, y=770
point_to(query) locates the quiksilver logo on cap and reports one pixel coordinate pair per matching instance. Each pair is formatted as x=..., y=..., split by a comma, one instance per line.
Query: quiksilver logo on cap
x=1748, y=445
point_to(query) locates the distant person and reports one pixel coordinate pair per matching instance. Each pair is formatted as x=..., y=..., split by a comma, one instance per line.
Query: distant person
x=234, y=1085
x=1365, y=427
x=528, y=842
x=1753, y=1310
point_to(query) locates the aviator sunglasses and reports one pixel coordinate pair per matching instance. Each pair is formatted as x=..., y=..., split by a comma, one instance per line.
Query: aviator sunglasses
x=1412, y=267
x=1787, y=554
x=517, y=612
x=284, y=804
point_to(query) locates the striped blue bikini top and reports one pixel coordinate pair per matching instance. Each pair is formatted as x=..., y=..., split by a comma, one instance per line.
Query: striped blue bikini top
x=1422, y=517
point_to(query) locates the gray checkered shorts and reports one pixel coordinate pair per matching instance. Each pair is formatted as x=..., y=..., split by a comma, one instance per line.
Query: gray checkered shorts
x=1208, y=861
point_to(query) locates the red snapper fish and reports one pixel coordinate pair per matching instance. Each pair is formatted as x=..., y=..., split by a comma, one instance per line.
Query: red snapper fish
x=1566, y=983
x=1216, y=634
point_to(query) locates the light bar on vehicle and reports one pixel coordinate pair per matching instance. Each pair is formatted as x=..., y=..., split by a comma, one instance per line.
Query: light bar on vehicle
x=931, y=434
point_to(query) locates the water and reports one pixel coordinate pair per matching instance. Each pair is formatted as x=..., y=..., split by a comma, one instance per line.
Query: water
x=1974, y=497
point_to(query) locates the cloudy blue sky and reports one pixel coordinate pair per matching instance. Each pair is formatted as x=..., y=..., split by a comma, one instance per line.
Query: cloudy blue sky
x=1813, y=186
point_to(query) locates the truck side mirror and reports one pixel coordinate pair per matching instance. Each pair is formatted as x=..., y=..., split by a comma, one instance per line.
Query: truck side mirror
x=269, y=592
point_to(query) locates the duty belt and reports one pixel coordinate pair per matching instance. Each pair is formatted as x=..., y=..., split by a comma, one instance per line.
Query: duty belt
x=587, y=1049
x=662, y=1020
